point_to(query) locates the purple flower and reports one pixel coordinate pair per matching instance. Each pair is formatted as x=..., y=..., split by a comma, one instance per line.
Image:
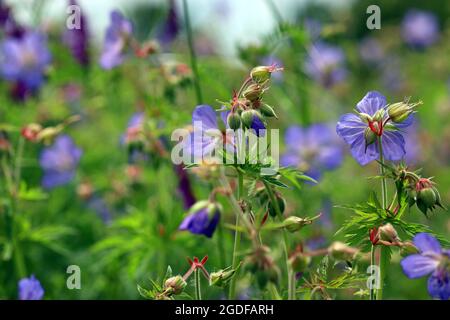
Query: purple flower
x=5, y=14
x=59, y=162
x=77, y=40
x=431, y=259
x=420, y=28
x=116, y=41
x=312, y=149
x=203, y=220
x=371, y=50
x=97, y=204
x=325, y=64
x=413, y=148
x=30, y=289
x=351, y=128
x=170, y=28
x=25, y=59
x=184, y=186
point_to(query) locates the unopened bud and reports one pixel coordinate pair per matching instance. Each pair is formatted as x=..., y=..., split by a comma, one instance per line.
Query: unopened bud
x=31, y=131
x=247, y=117
x=400, y=111
x=260, y=74
x=234, y=121
x=267, y=110
x=175, y=284
x=378, y=116
x=299, y=262
x=341, y=251
x=222, y=277
x=369, y=137
x=253, y=92
x=281, y=206
x=293, y=223
x=388, y=233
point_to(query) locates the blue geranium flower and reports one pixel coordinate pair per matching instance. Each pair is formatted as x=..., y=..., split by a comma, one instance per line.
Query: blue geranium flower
x=24, y=60
x=77, y=40
x=30, y=289
x=203, y=219
x=352, y=127
x=431, y=259
x=116, y=41
x=420, y=28
x=312, y=149
x=59, y=162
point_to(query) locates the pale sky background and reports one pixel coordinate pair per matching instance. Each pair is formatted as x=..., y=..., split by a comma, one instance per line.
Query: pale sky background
x=245, y=20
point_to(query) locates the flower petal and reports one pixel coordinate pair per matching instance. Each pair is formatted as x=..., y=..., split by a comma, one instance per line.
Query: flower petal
x=371, y=103
x=350, y=127
x=393, y=145
x=204, y=117
x=294, y=137
x=416, y=265
x=362, y=154
x=425, y=242
x=439, y=285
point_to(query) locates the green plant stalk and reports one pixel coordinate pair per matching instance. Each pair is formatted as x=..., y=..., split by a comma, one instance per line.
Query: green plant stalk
x=237, y=237
x=187, y=22
x=290, y=274
x=198, y=292
x=372, y=262
x=383, y=256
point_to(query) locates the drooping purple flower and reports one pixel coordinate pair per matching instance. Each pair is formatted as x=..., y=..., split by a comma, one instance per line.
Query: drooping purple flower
x=30, y=289
x=170, y=28
x=59, y=162
x=312, y=149
x=351, y=128
x=25, y=59
x=184, y=187
x=431, y=260
x=202, y=221
x=325, y=64
x=116, y=41
x=371, y=50
x=420, y=29
x=77, y=40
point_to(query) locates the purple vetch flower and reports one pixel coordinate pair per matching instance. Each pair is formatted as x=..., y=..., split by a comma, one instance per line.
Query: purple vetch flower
x=77, y=40
x=352, y=127
x=431, y=259
x=59, y=162
x=420, y=28
x=25, y=59
x=202, y=219
x=30, y=289
x=116, y=41
x=325, y=64
x=312, y=149
x=170, y=28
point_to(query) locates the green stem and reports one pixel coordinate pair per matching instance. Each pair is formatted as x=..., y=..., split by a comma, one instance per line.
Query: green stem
x=372, y=262
x=291, y=283
x=198, y=292
x=187, y=22
x=18, y=163
x=383, y=254
x=237, y=236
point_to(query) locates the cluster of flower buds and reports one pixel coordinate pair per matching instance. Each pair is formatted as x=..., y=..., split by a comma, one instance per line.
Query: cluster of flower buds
x=425, y=195
x=262, y=265
x=400, y=111
x=247, y=108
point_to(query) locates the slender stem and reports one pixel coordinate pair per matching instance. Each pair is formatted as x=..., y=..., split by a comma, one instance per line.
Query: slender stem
x=198, y=292
x=187, y=22
x=372, y=262
x=382, y=263
x=291, y=284
x=18, y=163
x=237, y=236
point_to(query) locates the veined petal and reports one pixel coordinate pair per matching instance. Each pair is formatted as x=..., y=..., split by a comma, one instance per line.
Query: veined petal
x=205, y=116
x=425, y=242
x=416, y=265
x=439, y=285
x=361, y=154
x=393, y=145
x=371, y=103
x=350, y=127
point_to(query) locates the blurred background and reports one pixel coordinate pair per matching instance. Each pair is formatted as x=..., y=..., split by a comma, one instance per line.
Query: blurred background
x=118, y=214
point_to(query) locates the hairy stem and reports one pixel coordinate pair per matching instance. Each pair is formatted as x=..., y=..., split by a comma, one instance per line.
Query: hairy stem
x=383, y=256
x=187, y=22
x=198, y=292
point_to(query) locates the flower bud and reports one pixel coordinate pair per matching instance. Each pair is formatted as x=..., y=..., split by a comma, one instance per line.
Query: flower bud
x=247, y=117
x=267, y=110
x=222, y=277
x=293, y=223
x=175, y=284
x=378, y=116
x=253, y=92
x=388, y=233
x=31, y=131
x=299, y=262
x=260, y=74
x=400, y=111
x=369, y=137
x=340, y=251
x=234, y=121
x=281, y=205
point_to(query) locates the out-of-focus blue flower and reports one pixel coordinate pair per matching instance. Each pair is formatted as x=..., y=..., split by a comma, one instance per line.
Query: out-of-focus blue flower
x=25, y=59
x=99, y=206
x=325, y=64
x=371, y=50
x=59, y=162
x=116, y=41
x=170, y=28
x=77, y=40
x=420, y=28
x=351, y=128
x=312, y=149
x=413, y=148
x=30, y=289
x=203, y=220
x=314, y=28
x=431, y=259
x=5, y=14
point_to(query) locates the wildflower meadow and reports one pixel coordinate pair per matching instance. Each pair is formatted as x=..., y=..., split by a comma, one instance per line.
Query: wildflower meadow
x=224, y=150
